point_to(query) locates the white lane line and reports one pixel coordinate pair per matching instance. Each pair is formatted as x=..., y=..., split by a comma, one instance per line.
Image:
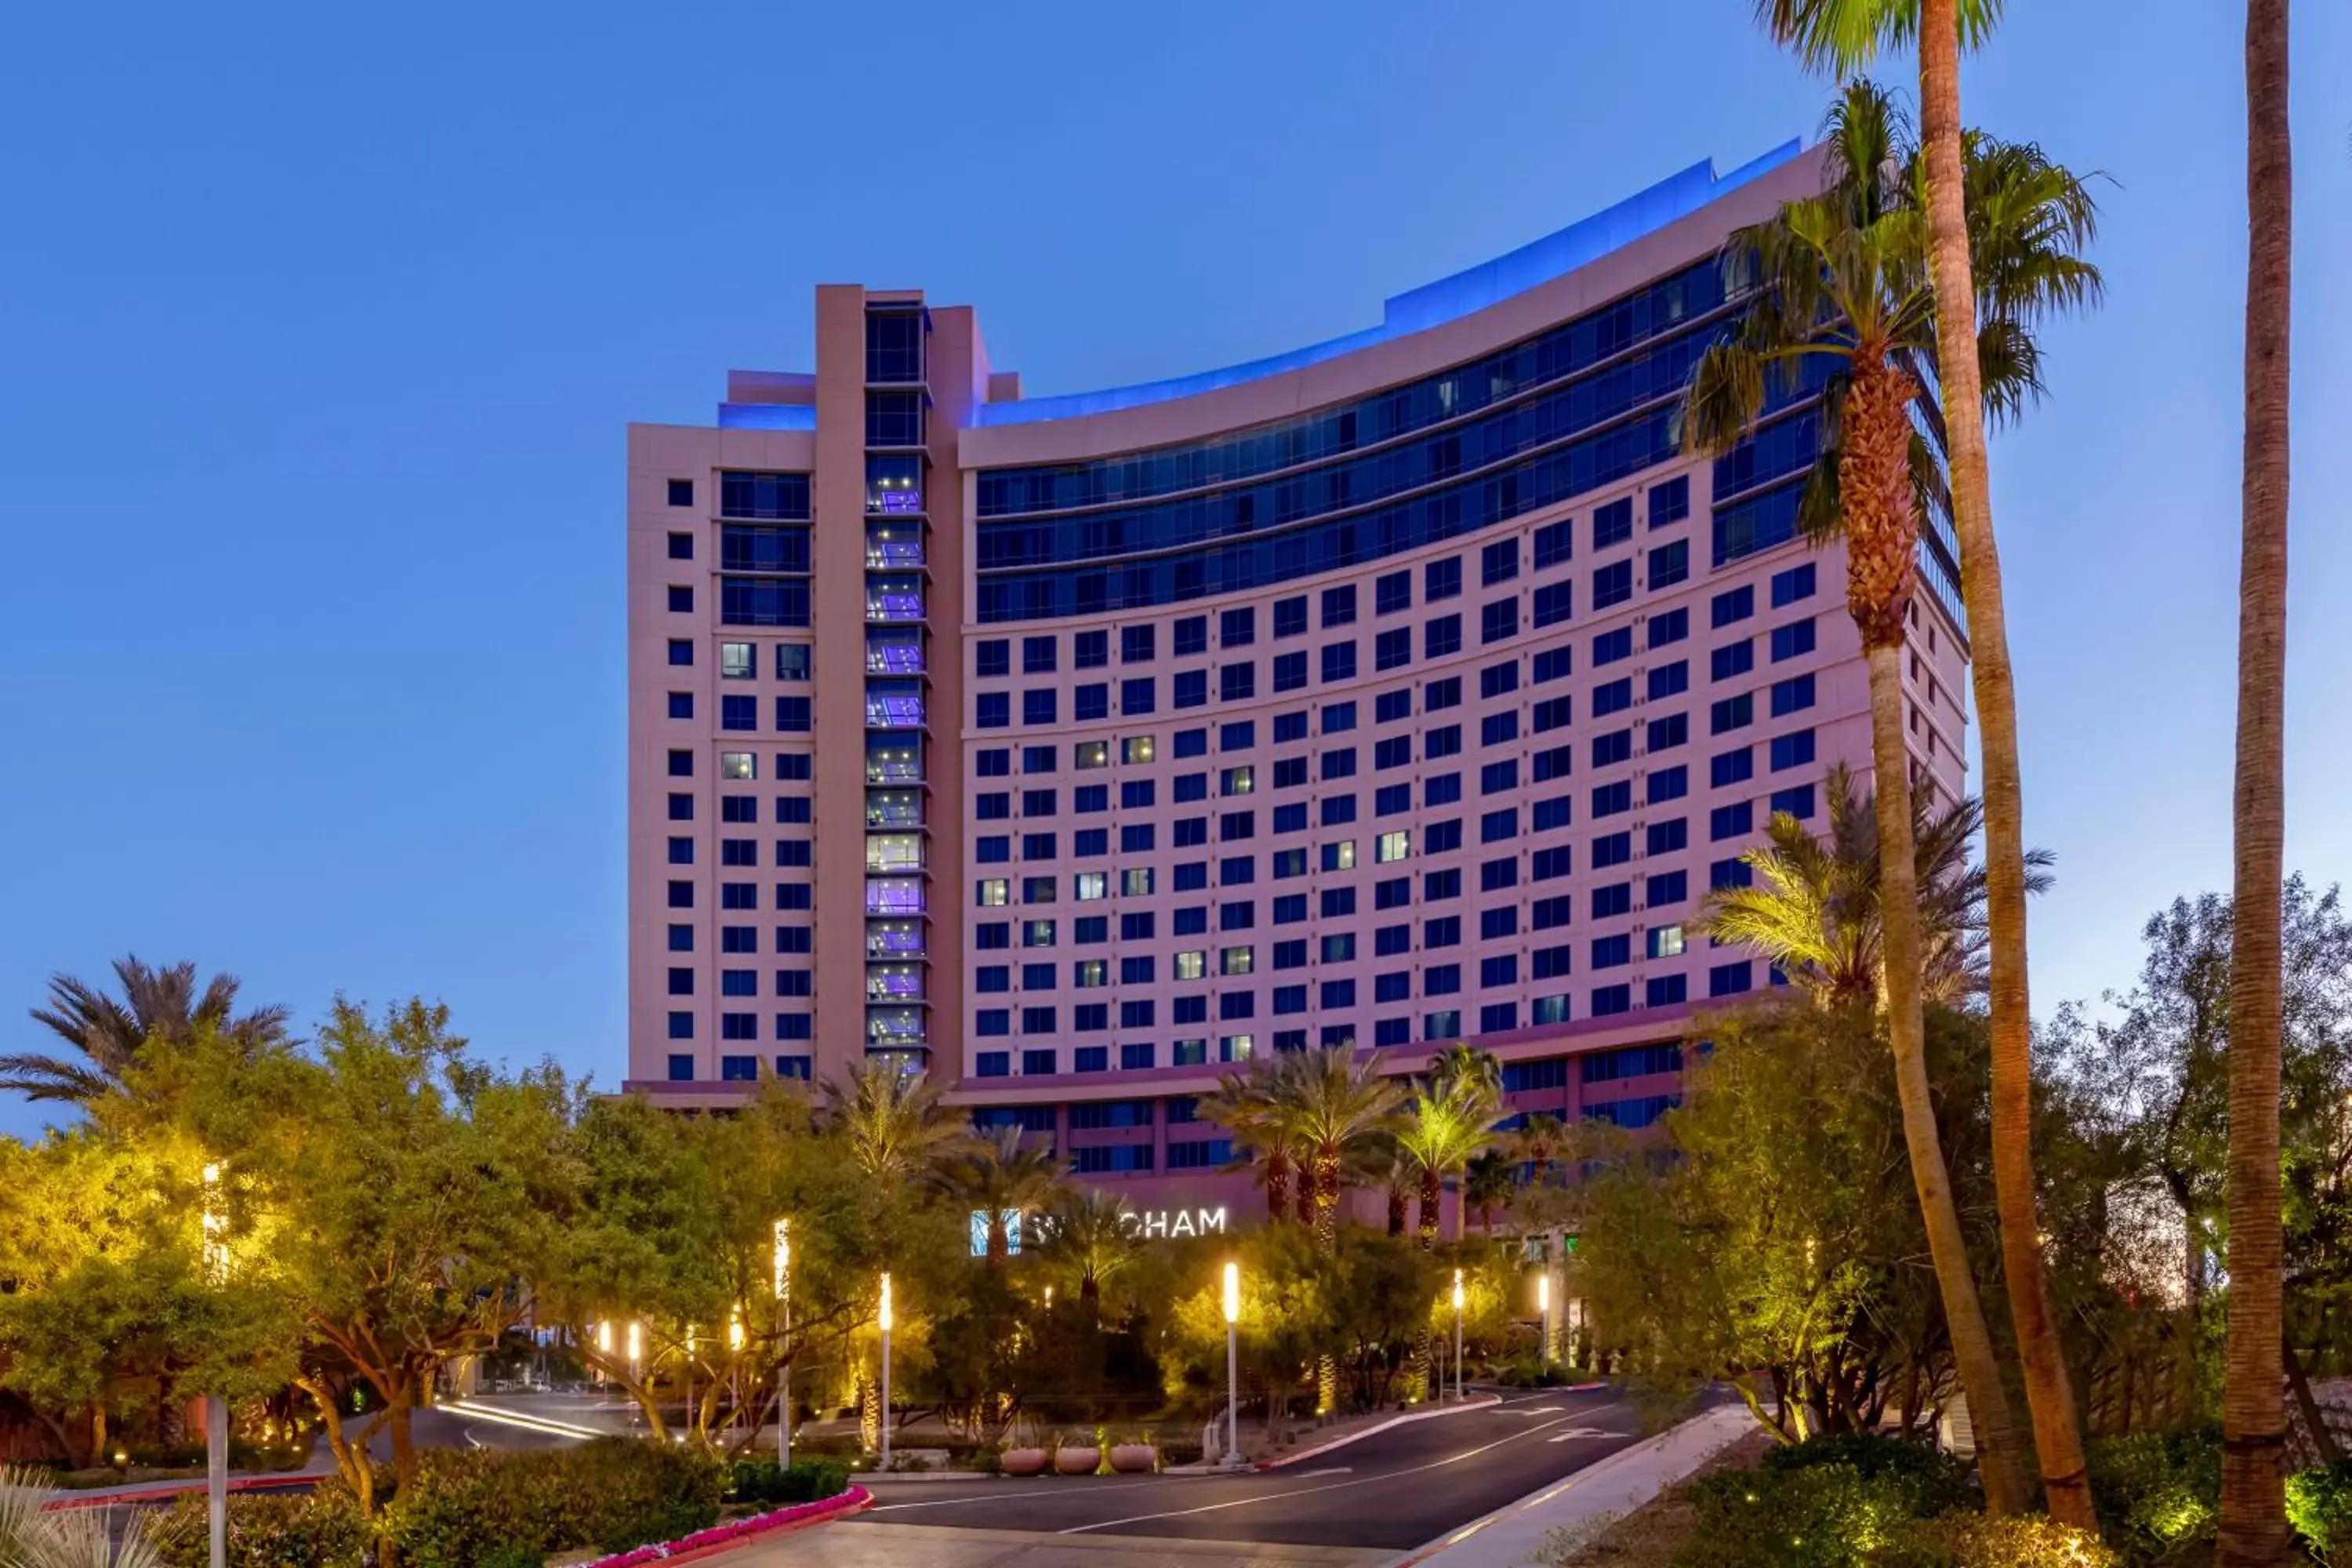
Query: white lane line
x=1333, y=1487
x=1000, y=1493
x=1334, y=1470
x=1538, y=1410
x=1574, y=1433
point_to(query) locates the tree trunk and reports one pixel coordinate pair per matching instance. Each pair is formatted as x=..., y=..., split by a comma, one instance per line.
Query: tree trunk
x=1277, y=1184
x=1326, y=1185
x=2050, y=1395
x=400, y=1407
x=2253, y=1529
x=1430, y=1191
x=1396, y=1208
x=1898, y=899
x=2323, y=1441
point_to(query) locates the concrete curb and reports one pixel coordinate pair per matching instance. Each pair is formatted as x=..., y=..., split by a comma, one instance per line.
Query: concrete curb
x=1704, y=1436
x=1428, y=1412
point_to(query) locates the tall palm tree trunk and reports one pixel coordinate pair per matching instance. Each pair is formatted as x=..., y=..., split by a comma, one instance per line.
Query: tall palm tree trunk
x=1979, y=1370
x=1327, y=1188
x=2050, y=1395
x=1882, y=564
x=2253, y=1529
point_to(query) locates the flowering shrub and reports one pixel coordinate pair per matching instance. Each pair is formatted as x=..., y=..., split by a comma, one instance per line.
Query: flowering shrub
x=738, y=1530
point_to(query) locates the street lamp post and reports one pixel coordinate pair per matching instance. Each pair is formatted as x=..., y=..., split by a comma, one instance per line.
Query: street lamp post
x=886, y=1317
x=1543, y=1305
x=1457, y=1336
x=783, y=1285
x=216, y=1260
x=1232, y=1366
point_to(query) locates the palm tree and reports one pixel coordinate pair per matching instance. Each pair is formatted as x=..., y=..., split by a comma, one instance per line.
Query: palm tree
x=1001, y=1177
x=2253, y=1527
x=1244, y=1105
x=1466, y=1063
x=1812, y=908
x=1088, y=1235
x=1536, y=1144
x=1331, y=1108
x=893, y=1123
x=1843, y=35
x=1838, y=280
x=112, y=1036
x=1446, y=1126
x=1489, y=1184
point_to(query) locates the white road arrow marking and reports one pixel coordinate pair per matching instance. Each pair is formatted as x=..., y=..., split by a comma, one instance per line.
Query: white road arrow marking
x=1575, y=1432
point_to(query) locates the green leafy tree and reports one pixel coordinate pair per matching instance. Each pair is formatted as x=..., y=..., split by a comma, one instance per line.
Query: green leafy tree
x=1763, y=1234
x=410, y=1192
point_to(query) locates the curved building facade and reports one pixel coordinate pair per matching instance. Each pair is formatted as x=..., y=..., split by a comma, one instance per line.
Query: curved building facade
x=1409, y=688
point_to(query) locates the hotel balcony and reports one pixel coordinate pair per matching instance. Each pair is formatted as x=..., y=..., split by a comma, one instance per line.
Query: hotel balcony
x=894, y=705
x=894, y=983
x=890, y=651
x=893, y=600
x=894, y=854
x=895, y=1028
x=893, y=939
x=894, y=895
x=894, y=808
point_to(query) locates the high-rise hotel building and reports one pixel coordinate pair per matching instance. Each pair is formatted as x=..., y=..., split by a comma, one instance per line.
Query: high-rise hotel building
x=1408, y=689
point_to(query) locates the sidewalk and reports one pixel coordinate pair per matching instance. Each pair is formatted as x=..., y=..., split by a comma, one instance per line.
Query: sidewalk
x=1512, y=1536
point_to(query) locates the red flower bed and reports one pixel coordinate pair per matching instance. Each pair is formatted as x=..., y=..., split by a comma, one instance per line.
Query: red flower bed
x=738, y=1530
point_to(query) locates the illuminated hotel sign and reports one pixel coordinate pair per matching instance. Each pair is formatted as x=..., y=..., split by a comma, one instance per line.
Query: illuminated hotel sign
x=1150, y=1224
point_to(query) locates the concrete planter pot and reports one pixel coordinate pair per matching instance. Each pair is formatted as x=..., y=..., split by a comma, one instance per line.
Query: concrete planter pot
x=1076, y=1462
x=1022, y=1461
x=1134, y=1459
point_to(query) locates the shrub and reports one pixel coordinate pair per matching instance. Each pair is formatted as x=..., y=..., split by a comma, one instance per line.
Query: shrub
x=1926, y=1481
x=1796, y=1516
x=1972, y=1540
x=2158, y=1492
x=2319, y=1506
x=468, y=1508
x=764, y=1482
x=321, y=1531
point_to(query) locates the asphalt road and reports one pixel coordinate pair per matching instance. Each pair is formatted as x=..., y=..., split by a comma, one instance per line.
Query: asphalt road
x=1392, y=1490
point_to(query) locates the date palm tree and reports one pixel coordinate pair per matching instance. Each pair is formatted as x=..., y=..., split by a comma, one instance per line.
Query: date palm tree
x=1332, y=1110
x=1536, y=1144
x=1466, y=1063
x=1837, y=284
x=1243, y=1104
x=111, y=1035
x=1488, y=1184
x=1090, y=1237
x=893, y=1123
x=1813, y=905
x=1843, y=35
x=1446, y=1125
x=2253, y=1527
x=1001, y=1177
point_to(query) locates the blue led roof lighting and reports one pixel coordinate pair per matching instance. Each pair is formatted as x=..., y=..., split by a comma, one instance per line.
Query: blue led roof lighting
x=1449, y=299
x=767, y=417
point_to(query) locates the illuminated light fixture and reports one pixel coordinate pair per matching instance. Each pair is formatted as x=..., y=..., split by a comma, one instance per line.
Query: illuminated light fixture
x=784, y=1260
x=735, y=1330
x=1233, y=1293
x=886, y=1320
x=605, y=1337
x=636, y=1343
x=1457, y=1290
x=1543, y=1293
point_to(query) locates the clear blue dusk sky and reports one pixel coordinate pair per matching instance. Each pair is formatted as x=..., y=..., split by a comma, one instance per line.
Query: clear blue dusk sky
x=318, y=327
